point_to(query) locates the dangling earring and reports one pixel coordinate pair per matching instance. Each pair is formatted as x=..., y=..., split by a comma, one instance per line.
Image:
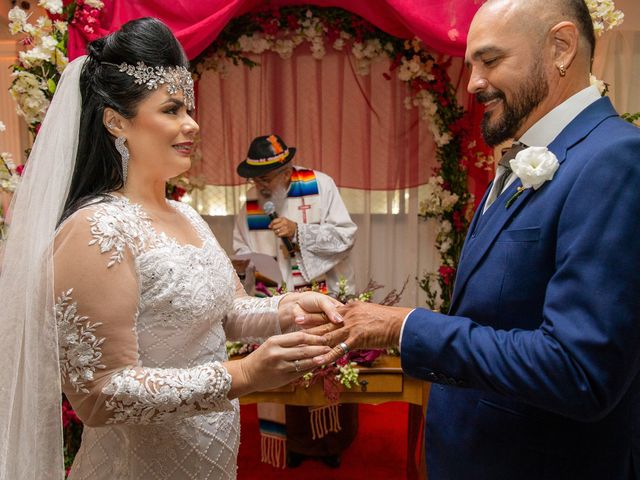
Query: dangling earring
x=124, y=153
x=563, y=71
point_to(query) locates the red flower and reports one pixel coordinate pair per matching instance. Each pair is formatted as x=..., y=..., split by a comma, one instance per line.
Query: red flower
x=447, y=274
x=19, y=169
x=68, y=415
x=458, y=221
x=178, y=193
x=292, y=22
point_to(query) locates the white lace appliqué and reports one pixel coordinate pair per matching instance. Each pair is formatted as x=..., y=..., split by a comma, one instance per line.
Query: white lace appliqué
x=80, y=350
x=149, y=395
x=114, y=228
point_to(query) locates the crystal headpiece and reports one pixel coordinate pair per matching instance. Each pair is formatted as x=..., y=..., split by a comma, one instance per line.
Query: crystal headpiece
x=176, y=78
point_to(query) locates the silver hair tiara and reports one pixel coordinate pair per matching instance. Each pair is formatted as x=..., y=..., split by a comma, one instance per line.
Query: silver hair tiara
x=176, y=78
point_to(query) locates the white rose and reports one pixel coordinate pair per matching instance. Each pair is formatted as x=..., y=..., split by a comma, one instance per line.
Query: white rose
x=60, y=26
x=49, y=43
x=17, y=15
x=599, y=84
x=52, y=6
x=2, y=127
x=94, y=3
x=534, y=166
x=338, y=44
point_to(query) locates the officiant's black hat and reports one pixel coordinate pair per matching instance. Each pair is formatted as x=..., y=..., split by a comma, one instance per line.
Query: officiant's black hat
x=266, y=153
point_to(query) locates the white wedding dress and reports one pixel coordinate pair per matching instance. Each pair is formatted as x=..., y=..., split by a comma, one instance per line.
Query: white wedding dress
x=142, y=323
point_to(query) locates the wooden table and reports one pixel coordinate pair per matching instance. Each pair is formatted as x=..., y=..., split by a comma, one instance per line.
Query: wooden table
x=380, y=383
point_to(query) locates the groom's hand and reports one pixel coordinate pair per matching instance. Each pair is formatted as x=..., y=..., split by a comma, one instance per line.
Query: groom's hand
x=366, y=325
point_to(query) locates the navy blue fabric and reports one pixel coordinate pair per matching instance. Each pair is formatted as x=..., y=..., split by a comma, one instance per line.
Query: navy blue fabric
x=536, y=365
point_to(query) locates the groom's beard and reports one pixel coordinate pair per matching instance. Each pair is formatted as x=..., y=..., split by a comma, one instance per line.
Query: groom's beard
x=515, y=111
x=277, y=195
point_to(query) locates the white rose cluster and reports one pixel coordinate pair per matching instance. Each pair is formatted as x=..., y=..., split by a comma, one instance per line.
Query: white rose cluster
x=31, y=87
x=428, y=109
x=8, y=176
x=94, y=3
x=437, y=200
x=311, y=31
x=604, y=15
x=28, y=92
x=52, y=6
x=368, y=52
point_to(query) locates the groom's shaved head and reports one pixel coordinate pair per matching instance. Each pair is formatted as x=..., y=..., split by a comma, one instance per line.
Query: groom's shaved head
x=537, y=17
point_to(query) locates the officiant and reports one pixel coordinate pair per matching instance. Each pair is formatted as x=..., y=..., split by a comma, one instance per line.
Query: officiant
x=297, y=216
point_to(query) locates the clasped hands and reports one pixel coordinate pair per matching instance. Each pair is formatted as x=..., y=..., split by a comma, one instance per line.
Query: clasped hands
x=329, y=330
x=357, y=325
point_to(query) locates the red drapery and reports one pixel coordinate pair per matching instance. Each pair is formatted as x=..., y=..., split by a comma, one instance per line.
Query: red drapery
x=440, y=24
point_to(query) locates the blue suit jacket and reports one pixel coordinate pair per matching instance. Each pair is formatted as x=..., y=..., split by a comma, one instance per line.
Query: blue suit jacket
x=535, y=369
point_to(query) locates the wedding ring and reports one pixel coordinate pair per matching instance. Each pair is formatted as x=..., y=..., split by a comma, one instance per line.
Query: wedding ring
x=296, y=364
x=344, y=347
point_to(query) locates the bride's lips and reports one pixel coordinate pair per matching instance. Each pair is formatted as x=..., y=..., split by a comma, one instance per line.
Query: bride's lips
x=184, y=148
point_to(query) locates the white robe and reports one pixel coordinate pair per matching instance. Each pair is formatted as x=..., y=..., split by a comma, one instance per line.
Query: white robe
x=325, y=237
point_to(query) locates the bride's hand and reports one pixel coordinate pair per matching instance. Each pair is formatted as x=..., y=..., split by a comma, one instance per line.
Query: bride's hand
x=278, y=361
x=308, y=309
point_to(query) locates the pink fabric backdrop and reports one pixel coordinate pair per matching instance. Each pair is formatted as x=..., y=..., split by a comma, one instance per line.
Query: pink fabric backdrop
x=354, y=128
x=441, y=24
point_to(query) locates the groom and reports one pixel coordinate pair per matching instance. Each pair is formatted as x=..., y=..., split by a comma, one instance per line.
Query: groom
x=535, y=368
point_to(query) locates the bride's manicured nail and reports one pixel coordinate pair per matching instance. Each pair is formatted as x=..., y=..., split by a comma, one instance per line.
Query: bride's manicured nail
x=299, y=319
x=317, y=360
x=338, y=318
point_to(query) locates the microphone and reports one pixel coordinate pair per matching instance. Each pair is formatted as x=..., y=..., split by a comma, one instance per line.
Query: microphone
x=270, y=209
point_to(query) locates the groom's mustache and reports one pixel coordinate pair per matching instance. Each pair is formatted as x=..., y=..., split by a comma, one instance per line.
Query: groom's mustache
x=484, y=97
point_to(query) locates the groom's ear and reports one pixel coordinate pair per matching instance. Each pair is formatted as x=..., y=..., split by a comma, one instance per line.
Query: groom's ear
x=565, y=39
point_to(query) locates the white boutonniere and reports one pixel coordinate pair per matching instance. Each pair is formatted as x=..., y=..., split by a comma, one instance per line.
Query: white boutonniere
x=534, y=166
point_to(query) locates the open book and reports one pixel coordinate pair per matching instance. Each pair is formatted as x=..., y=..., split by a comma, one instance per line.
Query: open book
x=266, y=267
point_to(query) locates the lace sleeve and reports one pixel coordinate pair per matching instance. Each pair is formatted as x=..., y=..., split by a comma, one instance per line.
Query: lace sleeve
x=252, y=319
x=96, y=310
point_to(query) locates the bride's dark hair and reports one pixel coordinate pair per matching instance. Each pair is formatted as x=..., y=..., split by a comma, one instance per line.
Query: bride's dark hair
x=98, y=168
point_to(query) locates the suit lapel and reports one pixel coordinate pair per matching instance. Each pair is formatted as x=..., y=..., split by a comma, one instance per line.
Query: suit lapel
x=478, y=243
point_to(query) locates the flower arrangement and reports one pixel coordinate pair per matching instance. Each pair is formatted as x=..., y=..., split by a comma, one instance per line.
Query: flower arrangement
x=39, y=66
x=282, y=30
x=44, y=57
x=604, y=15
x=9, y=178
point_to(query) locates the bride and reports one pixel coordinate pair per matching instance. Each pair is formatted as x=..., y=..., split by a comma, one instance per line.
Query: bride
x=124, y=298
